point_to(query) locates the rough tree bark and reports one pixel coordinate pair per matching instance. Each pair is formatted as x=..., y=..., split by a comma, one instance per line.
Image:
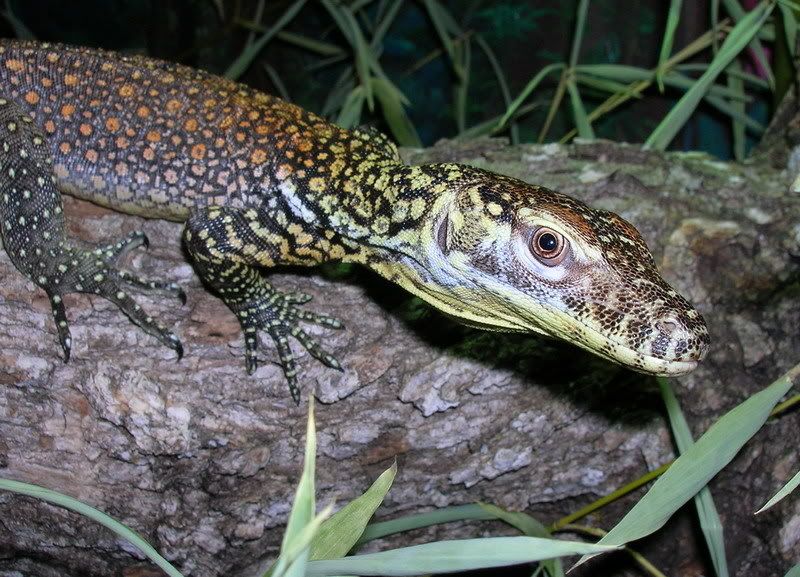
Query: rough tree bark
x=202, y=459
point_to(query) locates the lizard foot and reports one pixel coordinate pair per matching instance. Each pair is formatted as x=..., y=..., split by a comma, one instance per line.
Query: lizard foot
x=278, y=314
x=71, y=269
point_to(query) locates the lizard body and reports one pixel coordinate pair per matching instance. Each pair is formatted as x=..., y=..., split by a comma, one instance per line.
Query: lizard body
x=261, y=183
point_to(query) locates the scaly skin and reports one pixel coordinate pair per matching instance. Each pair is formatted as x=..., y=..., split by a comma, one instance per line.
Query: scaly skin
x=262, y=183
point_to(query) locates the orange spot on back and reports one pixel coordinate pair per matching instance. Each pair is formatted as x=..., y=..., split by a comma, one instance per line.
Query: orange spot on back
x=126, y=91
x=190, y=125
x=31, y=97
x=50, y=126
x=91, y=155
x=259, y=156
x=64, y=147
x=153, y=136
x=112, y=124
x=173, y=106
x=70, y=80
x=85, y=129
x=143, y=112
x=67, y=110
x=14, y=65
x=198, y=151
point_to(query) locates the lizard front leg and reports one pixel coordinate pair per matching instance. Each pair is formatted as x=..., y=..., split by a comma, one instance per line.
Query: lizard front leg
x=34, y=234
x=226, y=245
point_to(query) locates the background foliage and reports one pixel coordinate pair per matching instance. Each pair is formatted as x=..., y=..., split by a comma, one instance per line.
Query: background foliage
x=428, y=69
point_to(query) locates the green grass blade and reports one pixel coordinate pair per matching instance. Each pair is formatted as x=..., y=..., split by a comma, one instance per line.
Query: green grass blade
x=579, y=111
x=21, y=31
x=361, y=51
x=697, y=466
x=93, y=514
x=528, y=526
x=245, y=59
x=350, y=113
x=601, y=84
x=735, y=83
x=491, y=126
x=736, y=41
x=293, y=555
x=452, y=556
x=736, y=114
x=277, y=82
x=746, y=76
x=311, y=44
x=437, y=15
x=789, y=26
x=420, y=520
x=580, y=26
x=339, y=92
x=735, y=9
x=293, y=559
x=391, y=100
x=385, y=22
x=793, y=483
x=673, y=17
x=342, y=531
x=710, y=523
x=529, y=88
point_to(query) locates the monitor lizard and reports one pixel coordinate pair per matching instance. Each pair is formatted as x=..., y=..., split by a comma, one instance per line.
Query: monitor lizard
x=260, y=182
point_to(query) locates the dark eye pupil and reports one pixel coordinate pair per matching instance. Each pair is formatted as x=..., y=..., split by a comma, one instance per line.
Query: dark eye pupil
x=548, y=242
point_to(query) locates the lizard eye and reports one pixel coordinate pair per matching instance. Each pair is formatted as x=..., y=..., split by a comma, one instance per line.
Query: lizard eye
x=549, y=246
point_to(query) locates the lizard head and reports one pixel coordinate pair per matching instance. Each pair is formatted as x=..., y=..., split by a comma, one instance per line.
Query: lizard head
x=505, y=255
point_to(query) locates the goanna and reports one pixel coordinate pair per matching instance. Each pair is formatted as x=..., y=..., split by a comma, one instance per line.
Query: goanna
x=261, y=183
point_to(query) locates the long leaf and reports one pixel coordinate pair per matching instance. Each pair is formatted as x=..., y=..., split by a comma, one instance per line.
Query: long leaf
x=420, y=520
x=529, y=88
x=437, y=16
x=673, y=16
x=391, y=100
x=735, y=9
x=352, y=32
x=580, y=27
x=350, y=113
x=343, y=530
x=790, y=486
x=579, y=112
x=736, y=41
x=296, y=538
x=737, y=125
x=710, y=523
x=93, y=514
x=699, y=464
x=530, y=527
x=789, y=26
x=453, y=556
x=794, y=571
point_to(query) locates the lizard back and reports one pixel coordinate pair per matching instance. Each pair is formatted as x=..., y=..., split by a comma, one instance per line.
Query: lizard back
x=153, y=138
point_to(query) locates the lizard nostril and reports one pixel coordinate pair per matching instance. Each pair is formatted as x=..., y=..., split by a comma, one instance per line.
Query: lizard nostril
x=667, y=325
